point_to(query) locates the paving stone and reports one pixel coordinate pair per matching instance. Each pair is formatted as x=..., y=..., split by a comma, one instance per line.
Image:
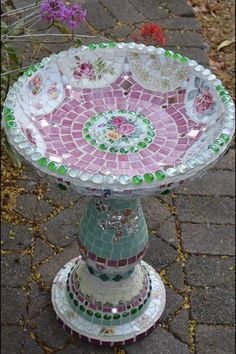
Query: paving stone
x=15, y=269
x=11, y=312
x=179, y=23
x=125, y=13
x=211, y=239
x=216, y=183
x=49, y=330
x=226, y=161
x=26, y=205
x=43, y=210
x=97, y=16
x=52, y=267
x=41, y=251
x=152, y=10
x=30, y=347
x=38, y=300
x=186, y=39
x=173, y=303
x=11, y=338
x=215, y=340
x=179, y=8
x=167, y=231
x=176, y=276
x=154, y=212
x=159, y=253
x=210, y=271
x=198, y=54
x=159, y=341
x=180, y=326
x=59, y=196
x=205, y=209
x=15, y=237
x=121, y=33
x=81, y=347
x=61, y=229
x=213, y=305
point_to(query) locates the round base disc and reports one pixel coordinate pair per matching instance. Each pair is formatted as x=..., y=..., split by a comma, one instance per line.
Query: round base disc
x=127, y=333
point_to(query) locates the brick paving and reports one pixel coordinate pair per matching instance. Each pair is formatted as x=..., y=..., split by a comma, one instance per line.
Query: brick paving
x=191, y=230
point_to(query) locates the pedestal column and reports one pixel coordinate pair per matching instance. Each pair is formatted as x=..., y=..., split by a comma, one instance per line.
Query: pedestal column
x=118, y=296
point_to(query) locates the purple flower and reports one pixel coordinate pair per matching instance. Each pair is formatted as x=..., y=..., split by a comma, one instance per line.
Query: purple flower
x=72, y=15
x=52, y=10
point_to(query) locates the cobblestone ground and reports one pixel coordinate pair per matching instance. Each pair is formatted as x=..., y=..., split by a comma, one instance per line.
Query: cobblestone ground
x=191, y=231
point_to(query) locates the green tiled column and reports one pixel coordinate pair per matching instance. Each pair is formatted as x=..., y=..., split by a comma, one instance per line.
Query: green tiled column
x=114, y=229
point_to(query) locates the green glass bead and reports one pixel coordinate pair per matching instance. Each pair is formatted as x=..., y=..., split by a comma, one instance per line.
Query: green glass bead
x=177, y=56
x=71, y=295
x=52, y=166
x=148, y=139
x=222, y=93
x=10, y=124
x=146, y=121
x=88, y=137
x=43, y=161
x=142, y=145
x=62, y=186
x=168, y=53
x=220, y=88
x=116, y=316
x=8, y=111
x=165, y=192
x=94, y=119
x=33, y=68
x=98, y=315
x=28, y=73
x=137, y=180
x=133, y=311
x=62, y=169
x=40, y=65
x=134, y=149
x=102, y=147
x=225, y=98
x=102, y=45
x=122, y=111
x=88, y=124
x=140, y=307
x=9, y=118
x=184, y=60
x=82, y=308
x=148, y=177
x=225, y=137
x=93, y=142
x=112, y=44
x=160, y=175
x=150, y=133
x=92, y=46
x=76, y=302
x=113, y=150
x=124, y=151
x=140, y=116
x=107, y=317
x=151, y=127
x=125, y=314
x=89, y=312
x=214, y=147
x=219, y=142
x=85, y=130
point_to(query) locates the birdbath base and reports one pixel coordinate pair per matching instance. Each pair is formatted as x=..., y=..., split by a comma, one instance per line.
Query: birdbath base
x=108, y=295
x=99, y=334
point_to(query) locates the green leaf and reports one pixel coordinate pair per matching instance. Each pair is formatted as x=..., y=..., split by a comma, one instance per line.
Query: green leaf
x=61, y=28
x=12, y=54
x=18, y=29
x=4, y=27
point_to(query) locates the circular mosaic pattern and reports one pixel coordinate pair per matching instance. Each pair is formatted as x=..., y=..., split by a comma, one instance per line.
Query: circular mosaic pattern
x=113, y=334
x=119, y=131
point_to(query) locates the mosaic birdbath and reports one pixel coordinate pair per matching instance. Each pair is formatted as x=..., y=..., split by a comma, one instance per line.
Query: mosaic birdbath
x=116, y=122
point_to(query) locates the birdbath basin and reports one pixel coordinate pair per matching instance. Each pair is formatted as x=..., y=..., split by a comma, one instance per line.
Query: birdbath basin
x=116, y=122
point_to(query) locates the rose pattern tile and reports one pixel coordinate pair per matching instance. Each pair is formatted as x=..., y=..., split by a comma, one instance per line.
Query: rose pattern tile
x=91, y=70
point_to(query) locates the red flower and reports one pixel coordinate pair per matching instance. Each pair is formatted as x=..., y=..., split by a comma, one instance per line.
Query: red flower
x=150, y=33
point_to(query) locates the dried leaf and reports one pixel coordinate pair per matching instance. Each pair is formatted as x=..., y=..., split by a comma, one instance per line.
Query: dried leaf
x=226, y=43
